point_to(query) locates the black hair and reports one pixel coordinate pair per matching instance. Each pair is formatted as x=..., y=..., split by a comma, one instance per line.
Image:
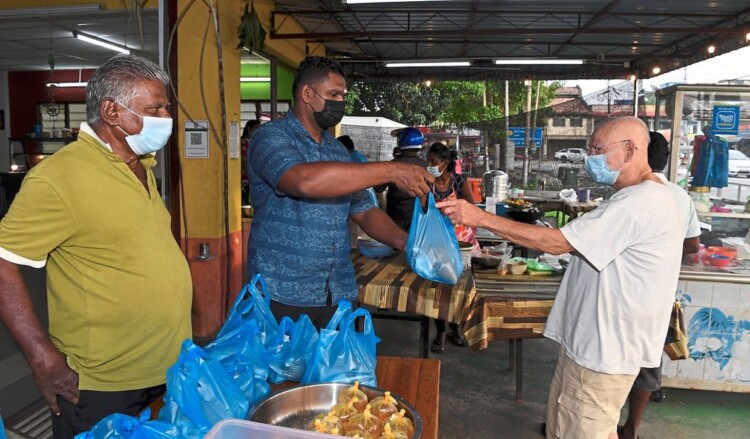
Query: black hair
x=396, y=152
x=347, y=141
x=250, y=125
x=314, y=69
x=444, y=153
x=658, y=151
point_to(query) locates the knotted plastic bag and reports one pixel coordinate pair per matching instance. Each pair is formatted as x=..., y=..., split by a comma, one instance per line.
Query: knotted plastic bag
x=252, y=303
x=344, y=355
x=291, y=348
x=432, y=248
x=202, y=390
x=120, y=426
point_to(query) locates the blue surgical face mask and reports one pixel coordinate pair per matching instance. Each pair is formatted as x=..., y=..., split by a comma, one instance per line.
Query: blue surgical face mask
x=596, y=167
x=599, y=171
x=153, y=135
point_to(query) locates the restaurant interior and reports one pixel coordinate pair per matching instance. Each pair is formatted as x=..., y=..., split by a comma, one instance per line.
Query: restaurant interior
x=497, y=386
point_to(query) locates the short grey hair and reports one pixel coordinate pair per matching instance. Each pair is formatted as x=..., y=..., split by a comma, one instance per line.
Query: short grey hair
x=115, y=80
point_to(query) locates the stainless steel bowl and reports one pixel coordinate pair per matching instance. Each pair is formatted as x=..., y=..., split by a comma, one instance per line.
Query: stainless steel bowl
x=297, y=406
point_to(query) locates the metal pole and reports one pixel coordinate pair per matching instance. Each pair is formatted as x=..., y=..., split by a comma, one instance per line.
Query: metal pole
x=506, y=163
x=274, y=82
x=526, y=134
x=635, y=97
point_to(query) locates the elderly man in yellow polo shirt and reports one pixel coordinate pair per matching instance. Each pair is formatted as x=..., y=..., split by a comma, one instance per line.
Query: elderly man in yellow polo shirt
x=118, y=286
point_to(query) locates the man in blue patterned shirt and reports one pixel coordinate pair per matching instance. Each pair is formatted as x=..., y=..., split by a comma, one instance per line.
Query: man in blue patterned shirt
x=304, y=188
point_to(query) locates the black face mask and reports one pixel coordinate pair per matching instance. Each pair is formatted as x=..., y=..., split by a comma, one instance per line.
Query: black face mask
x=332, y=113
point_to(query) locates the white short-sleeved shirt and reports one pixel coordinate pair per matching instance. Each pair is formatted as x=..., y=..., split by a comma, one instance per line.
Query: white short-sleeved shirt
x=612, y=309
x=686, y=206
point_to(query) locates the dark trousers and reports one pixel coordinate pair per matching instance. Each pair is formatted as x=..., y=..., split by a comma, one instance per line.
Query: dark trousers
x=440, y=326
x=320, y=315
x=93, y=406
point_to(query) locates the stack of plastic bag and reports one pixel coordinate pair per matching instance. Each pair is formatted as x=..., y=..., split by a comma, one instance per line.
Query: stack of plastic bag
x=232, y=373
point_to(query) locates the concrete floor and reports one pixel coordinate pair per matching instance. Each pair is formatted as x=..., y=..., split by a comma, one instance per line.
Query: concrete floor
x=477, y=394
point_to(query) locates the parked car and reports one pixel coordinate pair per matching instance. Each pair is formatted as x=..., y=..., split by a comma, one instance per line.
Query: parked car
x=739, y=164
x=571, y=155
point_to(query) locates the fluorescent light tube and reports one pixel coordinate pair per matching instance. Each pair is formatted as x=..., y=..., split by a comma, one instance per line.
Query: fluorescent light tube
x=50, y=10
x=364, y=2
x=538, y=61
x=256, y=79
x=66, y=84
x=430, y=64
x=100, y=42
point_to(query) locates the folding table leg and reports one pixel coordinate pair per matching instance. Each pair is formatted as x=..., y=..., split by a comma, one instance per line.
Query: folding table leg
x=519, y=370
x=425, y=334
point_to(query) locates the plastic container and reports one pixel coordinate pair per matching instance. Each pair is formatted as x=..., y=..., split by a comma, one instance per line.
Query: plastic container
x=699, y=195
x=374, y=249
x=236, y=429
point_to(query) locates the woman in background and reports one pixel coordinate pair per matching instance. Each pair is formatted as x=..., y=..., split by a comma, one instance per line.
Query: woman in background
x=441, y=163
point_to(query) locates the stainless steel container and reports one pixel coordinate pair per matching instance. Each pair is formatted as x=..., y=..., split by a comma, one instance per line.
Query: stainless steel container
x=495, y=184
x=296, y=407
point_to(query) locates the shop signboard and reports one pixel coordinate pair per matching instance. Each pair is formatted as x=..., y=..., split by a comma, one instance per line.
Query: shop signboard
x=726, y=120
x=517, y=136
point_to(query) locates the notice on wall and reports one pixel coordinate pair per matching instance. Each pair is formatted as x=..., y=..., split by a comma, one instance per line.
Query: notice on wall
x=234, y=140
x=196, y=139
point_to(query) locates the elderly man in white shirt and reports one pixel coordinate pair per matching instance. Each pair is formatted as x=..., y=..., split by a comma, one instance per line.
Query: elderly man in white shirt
x=613, y=306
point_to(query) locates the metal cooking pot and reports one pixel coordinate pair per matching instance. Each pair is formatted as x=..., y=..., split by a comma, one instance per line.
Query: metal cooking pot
x=495, y=184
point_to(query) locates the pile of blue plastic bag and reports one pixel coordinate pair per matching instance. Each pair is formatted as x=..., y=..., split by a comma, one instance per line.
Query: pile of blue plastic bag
x=231, y=374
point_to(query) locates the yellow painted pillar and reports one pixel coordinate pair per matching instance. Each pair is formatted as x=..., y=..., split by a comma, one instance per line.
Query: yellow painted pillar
x=210, y=175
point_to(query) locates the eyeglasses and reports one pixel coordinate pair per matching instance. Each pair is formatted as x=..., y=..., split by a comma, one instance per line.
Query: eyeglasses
x=597, y=149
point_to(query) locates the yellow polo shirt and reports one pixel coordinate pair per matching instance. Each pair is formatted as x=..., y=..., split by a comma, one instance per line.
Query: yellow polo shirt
x=118, y=286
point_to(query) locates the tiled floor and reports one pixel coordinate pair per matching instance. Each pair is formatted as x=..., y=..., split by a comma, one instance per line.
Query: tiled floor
x=477, y=394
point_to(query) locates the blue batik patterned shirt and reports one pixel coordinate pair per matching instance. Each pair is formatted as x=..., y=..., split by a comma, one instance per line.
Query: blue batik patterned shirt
x=300, y=246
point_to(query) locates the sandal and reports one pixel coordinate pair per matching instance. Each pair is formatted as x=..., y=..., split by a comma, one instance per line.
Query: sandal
x=457, y=339
x=438, y=345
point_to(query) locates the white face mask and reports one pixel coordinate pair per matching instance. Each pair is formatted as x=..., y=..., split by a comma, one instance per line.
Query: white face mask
x=435, y=171
x=153, y=136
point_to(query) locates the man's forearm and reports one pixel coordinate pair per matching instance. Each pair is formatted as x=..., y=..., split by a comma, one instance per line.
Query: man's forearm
x=380, y=227
x=533, y=237
x=17, y=313
x=334, y=179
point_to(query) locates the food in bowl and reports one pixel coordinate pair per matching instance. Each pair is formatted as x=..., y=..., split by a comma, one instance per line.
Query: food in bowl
x=719, y=261
x=517, y=267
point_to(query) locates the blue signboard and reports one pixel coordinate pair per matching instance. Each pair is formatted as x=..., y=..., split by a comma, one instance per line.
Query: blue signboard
x=726, y=120
x=517, y=136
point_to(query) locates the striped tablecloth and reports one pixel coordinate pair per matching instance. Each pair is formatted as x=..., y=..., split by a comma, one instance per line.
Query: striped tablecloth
x=390, y=284
x=508, y=307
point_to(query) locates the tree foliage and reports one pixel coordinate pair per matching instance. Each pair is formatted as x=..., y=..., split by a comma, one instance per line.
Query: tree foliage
x=453, y=104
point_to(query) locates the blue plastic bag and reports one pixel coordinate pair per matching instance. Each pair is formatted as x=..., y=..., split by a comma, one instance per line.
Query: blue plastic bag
x=291, y=349
x=345, y=355
x=252, y=304
x=2, y=429
x=120, y=426
x=243, y=345
x=202, y=390
x=432, y=248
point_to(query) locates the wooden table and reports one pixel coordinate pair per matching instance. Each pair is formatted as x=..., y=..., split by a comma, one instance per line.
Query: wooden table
x=389, y=284
x=510, y=307
x=417, y=380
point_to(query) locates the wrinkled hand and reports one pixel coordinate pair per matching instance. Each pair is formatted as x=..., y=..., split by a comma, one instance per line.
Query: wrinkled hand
x=461, y=212
x=53, y=377
x=413, y=179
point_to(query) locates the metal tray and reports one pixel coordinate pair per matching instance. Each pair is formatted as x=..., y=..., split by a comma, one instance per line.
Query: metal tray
x=297, y=406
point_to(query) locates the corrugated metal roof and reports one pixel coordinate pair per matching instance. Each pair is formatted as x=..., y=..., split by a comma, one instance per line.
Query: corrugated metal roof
x=614, y=38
